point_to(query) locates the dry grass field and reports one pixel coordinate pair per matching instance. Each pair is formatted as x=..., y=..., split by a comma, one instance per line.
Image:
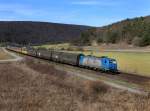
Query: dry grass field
x=31, y=85
x=4, y=56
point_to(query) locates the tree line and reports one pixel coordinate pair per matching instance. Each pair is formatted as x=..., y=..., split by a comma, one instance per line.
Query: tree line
x=132, y=31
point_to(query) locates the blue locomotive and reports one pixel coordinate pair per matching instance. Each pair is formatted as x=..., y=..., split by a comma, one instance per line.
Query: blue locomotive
x=102, y=63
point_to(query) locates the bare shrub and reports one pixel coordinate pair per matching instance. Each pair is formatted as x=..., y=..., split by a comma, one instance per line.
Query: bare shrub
x=95, y=87
x=136, y=41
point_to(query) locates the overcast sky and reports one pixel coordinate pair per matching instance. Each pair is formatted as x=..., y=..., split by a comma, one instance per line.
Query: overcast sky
x=84, y=12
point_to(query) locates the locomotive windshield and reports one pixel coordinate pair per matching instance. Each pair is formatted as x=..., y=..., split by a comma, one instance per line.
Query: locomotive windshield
x=113, y=61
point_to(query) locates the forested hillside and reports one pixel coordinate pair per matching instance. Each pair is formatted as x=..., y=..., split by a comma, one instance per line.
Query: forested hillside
x=39, y=32
x=131, y=31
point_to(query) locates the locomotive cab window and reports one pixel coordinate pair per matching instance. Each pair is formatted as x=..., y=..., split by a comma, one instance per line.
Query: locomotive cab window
x=112, y=61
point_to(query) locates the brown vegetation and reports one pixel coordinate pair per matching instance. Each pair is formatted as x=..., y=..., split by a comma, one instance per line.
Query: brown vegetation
x=34, y=86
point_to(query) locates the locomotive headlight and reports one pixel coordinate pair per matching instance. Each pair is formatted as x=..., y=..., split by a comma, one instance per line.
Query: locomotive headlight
x=114, y=62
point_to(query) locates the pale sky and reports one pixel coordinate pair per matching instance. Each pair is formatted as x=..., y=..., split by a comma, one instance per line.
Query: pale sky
x=83, y=12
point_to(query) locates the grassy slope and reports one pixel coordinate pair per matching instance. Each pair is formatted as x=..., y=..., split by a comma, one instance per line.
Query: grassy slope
x=34, y=87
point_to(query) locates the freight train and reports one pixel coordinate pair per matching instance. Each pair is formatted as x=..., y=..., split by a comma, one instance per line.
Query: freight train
x=80, y=60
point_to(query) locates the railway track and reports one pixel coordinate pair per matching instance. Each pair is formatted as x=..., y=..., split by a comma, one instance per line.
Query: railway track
x=130, y=82
x=103, y=77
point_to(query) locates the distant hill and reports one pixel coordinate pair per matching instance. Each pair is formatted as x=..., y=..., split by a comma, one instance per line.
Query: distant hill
x=134, y=31
x=39, y=32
